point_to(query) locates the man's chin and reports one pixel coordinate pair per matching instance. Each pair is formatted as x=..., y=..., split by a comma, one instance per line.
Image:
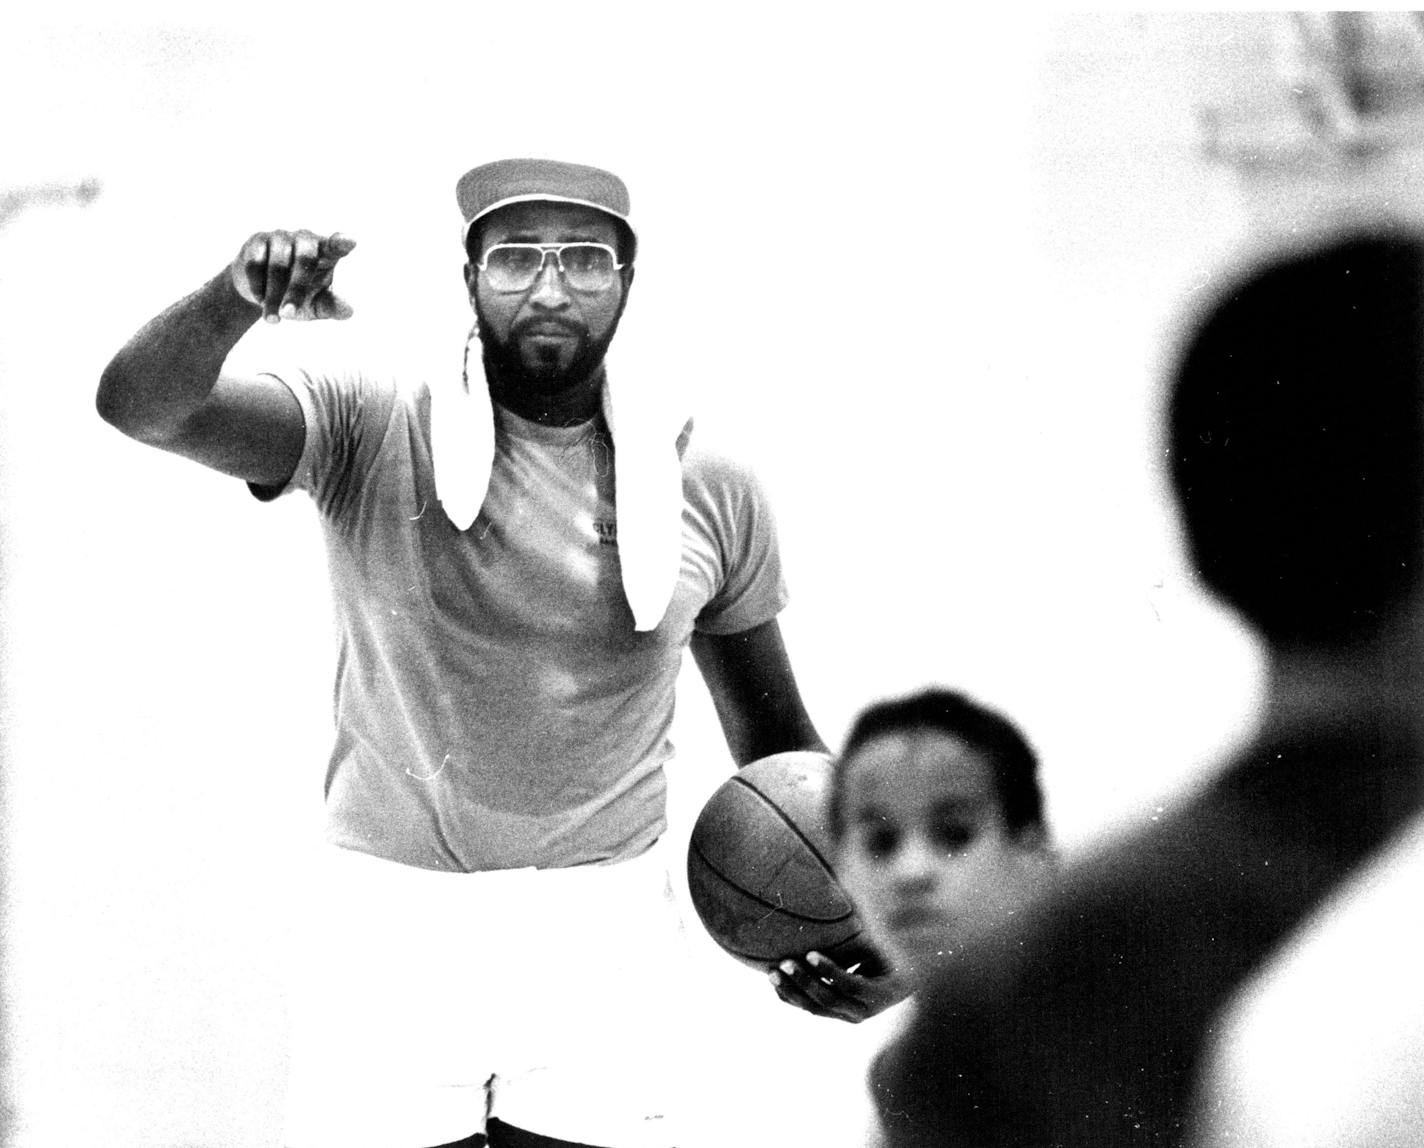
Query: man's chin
x=549, y=365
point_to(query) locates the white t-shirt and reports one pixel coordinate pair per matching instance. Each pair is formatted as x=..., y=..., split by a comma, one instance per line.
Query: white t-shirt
x=495, y=707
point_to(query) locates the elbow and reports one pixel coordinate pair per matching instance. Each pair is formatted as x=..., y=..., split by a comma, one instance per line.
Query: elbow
x=118, y=406
x=109, y=399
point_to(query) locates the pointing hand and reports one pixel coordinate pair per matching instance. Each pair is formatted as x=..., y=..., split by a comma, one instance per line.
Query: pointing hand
x=288, y=274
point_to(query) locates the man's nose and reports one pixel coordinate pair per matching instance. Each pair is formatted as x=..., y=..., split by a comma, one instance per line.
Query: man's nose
x=549, y=290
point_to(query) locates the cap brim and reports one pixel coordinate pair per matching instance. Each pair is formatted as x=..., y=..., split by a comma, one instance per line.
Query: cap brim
x=542, y=197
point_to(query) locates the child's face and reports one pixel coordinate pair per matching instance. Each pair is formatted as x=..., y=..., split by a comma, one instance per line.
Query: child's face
x=926, y=855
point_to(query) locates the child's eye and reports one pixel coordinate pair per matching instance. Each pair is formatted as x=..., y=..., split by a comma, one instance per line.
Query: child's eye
x=954, y=836
x=879, y=841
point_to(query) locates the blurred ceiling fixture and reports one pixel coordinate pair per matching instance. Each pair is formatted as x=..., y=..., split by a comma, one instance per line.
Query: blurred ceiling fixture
x=1340, y=88
x=14, y=200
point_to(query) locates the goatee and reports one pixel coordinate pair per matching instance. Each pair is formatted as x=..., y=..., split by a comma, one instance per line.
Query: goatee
x=530, y=389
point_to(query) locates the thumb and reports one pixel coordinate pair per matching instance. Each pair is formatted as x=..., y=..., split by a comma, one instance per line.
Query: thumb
x=329, y=305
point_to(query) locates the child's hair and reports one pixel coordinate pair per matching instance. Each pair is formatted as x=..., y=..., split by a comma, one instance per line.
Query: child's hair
x=1012, y=759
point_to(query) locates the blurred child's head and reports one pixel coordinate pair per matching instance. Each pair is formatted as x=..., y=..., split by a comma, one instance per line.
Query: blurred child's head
x=938, y=820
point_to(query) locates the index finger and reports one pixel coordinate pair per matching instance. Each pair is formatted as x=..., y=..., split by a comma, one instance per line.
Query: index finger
x=860, y=959
x=335, y=246
x=826, y=970
x=868, y=982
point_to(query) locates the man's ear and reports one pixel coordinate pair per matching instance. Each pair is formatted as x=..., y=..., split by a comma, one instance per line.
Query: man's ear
x=470, y=275
x=626, y=275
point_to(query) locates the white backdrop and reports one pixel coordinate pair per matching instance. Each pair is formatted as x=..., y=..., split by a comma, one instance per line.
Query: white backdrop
x=922, y=270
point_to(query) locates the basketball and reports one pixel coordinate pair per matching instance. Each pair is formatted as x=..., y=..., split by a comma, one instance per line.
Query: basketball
x=759, y=865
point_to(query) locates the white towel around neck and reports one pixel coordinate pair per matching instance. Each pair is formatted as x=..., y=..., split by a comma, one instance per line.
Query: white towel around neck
x=647, y=475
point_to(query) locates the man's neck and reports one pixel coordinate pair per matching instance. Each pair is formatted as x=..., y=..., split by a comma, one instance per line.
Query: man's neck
x=1339, y=765
x=1380, y=679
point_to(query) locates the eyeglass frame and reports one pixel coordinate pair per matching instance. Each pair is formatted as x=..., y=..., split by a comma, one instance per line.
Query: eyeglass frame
x=545, y=250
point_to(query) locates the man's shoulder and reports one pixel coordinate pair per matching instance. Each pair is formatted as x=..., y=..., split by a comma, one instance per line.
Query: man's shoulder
x=708, y=457
x=369, y=386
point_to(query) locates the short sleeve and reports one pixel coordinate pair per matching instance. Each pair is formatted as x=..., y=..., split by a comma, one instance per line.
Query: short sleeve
x=753, y=588
x=346, y=418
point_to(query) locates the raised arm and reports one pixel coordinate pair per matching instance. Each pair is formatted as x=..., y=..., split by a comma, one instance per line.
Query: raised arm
x=166, y=387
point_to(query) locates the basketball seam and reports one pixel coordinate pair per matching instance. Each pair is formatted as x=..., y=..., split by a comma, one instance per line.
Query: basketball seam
x=796, y=829
x=782, y=909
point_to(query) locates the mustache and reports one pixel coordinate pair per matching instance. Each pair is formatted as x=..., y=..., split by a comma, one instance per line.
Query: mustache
x=546, y=323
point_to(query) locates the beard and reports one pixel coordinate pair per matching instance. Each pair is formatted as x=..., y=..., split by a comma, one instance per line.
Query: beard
x=524, y=384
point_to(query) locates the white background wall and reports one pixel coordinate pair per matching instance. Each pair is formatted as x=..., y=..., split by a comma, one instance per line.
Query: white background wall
x=921, y=269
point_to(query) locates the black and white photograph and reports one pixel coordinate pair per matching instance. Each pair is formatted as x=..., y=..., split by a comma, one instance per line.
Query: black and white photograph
x=624, y=576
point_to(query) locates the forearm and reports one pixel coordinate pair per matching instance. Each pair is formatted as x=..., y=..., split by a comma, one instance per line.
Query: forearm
x=163, y=374
x=769, y=729
x=754, y=691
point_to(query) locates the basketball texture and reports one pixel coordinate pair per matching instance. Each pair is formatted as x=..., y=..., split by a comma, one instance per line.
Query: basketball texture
x=759, y=865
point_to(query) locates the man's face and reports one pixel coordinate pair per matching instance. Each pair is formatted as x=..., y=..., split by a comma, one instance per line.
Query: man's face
x=550, y=335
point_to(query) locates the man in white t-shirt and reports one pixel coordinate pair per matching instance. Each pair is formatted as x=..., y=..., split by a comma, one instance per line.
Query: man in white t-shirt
x=515, y=582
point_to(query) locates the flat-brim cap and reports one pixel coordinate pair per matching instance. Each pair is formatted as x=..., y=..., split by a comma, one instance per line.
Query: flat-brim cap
x=491, y=186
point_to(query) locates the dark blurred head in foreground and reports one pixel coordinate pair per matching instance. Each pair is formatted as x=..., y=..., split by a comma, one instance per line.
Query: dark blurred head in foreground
x=1295, y=441
x=1295, y=453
